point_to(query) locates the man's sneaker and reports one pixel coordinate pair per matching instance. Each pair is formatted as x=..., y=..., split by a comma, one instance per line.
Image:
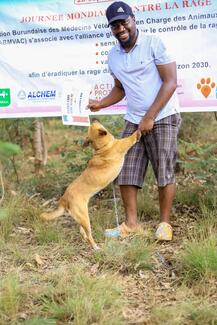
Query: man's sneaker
x=123, y=231
x=164, y=232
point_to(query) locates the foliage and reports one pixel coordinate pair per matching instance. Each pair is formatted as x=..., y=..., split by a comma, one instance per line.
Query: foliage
x=192, y=123
x=8, y=149
x=16, y=130
x=201, y=162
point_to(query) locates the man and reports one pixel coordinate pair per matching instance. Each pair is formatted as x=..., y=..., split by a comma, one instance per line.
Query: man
x=144, y=73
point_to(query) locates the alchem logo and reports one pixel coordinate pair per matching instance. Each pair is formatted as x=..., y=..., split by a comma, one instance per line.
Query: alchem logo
x=5, y=97
x=41, y=94
x=36, y=96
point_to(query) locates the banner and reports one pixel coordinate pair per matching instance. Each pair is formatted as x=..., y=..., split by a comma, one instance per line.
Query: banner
x=45, y=44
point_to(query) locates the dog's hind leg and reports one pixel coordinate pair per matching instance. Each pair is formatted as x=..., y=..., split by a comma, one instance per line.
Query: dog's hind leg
x=83, y=233
x=81, y=216
x=87, y=229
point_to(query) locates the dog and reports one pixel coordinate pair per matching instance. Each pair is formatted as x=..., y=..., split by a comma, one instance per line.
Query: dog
x=102, y=169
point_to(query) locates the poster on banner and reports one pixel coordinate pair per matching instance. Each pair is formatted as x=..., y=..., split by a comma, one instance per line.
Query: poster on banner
x=75, y=99
x=44, y=44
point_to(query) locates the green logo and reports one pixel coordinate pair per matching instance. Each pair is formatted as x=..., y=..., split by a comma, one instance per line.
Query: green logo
x=5, y=97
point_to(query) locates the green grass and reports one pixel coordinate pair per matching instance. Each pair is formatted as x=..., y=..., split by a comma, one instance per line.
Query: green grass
x=47, y=233
x=41, y=321
x=17, y=210
x=199, y=256
x=147, y=204
x=206, y=224
x=190, y=312
x=84, y=299
x=199, y=259
x=10, y=298
x=67, y=295
x=128, y=255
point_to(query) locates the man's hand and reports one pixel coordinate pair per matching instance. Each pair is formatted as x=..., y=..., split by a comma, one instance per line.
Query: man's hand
x=146, y=124
x=94, y=105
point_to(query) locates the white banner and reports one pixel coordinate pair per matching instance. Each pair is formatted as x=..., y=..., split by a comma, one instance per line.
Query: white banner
x=46, y=43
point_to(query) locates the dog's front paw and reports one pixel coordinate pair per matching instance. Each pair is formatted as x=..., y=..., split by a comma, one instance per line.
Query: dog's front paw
x=138, y=135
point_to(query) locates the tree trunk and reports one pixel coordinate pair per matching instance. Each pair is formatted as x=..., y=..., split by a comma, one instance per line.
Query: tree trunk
x=40, y=148
x=2, y=186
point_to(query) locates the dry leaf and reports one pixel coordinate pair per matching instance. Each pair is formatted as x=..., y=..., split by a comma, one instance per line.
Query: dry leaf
x=24, y=230
x=38, y=260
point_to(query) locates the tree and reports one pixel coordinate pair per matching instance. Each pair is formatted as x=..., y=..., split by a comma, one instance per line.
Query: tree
x=7, y=150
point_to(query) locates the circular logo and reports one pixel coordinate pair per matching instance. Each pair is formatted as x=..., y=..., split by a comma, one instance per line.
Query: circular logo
x=21, y=94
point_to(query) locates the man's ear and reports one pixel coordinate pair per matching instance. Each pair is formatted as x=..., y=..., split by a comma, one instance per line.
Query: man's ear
x=102, y=132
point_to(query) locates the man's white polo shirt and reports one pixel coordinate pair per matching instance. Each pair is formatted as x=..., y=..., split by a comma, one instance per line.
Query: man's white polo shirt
x=137, y=72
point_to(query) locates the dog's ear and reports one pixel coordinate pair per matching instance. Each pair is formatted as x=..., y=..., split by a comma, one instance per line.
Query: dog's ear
x=86, y=143
x=102, y=132
x=94, y=120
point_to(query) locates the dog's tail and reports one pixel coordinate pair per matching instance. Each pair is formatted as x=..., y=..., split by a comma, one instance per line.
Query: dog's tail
x=53, y=215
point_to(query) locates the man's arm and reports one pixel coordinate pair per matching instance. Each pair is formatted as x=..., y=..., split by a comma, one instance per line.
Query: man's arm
x=168, y=75
x=116, y=95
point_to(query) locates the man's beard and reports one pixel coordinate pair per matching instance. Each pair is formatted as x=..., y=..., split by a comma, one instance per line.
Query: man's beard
x=125, y=43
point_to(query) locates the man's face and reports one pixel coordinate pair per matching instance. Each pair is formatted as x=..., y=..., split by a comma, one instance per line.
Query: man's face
x=124, y=31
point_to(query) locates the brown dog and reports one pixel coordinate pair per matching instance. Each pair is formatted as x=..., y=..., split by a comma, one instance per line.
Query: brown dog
x=101, y=170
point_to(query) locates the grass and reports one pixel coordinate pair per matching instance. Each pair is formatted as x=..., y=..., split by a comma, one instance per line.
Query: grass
x=193, y=197
x=199, y=256
x=128, y=255
x=47, y=233
x=147, y=204
x=41, y=321
x=190, y=312
x=199, y=259
x=70, y=294
x=10, y=214
x=207, y=224
x=83, y=298
x=10, y=298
